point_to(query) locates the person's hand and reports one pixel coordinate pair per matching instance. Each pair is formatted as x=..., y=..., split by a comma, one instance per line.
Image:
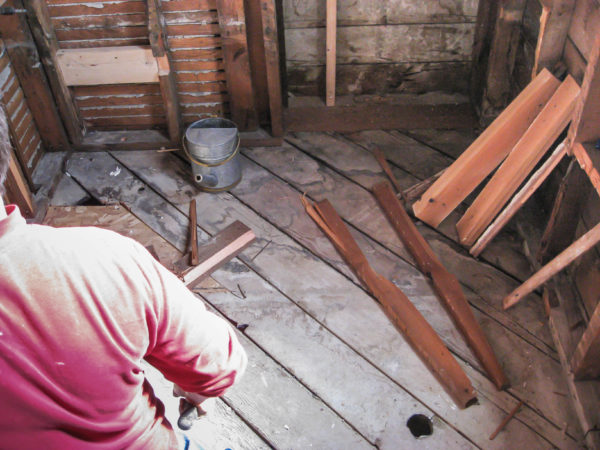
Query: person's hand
x=203, y=404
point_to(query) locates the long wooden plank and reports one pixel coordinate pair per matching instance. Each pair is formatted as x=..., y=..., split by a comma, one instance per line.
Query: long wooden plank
x=237, y=63
x=554, y=26
x=107, y=65
x=304, y=345
x=338, y=302
x=526, y=153
x=488, y=150
x=24, y=57
x=519, y=199
x=330, y=51
x=566, y=257
x=39, y=19
x=585, y=361
x=378, y=117
x=399, y=309
x=446, y=285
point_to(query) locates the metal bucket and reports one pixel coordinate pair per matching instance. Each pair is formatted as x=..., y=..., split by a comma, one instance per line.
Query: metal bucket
x=212, y=147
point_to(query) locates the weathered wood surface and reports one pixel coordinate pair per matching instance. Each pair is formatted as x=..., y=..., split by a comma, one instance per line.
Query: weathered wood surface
x=585, y=25
x=283, y=411
x=330, y=51
x=554, y=26
x=416, y=162
x=311, y=13
x=346, y=197
x=565, y=323
x=381, y=44
x=382, y=78
x=24, y=57
x=319, y=298
x=379, y=116
x=220, y=428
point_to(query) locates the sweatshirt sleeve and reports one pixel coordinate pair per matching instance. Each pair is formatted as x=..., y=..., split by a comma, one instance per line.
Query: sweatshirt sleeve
x=191, y=346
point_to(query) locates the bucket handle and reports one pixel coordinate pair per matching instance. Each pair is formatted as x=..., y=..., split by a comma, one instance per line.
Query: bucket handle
x=195, y=161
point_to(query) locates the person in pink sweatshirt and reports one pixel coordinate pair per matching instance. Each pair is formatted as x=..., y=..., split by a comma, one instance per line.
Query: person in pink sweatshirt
x=80, y=308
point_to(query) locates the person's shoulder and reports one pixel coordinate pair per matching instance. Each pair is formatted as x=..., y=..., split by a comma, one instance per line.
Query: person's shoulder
x=82, y=237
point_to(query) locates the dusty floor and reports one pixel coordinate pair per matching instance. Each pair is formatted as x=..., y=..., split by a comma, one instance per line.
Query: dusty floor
x=327, y=369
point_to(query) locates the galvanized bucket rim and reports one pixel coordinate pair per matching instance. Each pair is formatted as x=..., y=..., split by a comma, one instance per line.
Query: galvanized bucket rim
x=213, y=164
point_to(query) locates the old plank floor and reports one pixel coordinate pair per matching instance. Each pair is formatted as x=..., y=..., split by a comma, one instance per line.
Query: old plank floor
x=329, y=370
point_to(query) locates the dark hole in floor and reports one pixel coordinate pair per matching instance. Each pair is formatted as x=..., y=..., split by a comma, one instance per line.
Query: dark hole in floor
x=420, y=425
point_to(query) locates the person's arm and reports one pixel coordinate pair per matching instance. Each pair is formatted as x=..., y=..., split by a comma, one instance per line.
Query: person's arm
x=192, y=347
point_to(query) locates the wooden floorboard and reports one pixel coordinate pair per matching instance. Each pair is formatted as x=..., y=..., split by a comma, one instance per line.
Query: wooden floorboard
x=310, y=319
x=268, y=397
x=544, y=371
x=504, y=252
x=297, y=287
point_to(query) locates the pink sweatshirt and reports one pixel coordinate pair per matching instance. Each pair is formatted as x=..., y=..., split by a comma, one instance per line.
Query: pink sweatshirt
x=79, y=309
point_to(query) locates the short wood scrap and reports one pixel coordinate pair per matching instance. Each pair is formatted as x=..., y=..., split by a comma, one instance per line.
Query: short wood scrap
x=519, y=199
x=220, y=249
x=506, y=420
x=488, y=150
x=526, y=153
x=445, y=284
x=403, y=314
x=570, y=254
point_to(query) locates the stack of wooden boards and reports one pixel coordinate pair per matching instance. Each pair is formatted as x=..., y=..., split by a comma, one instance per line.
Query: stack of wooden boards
x=516, y=142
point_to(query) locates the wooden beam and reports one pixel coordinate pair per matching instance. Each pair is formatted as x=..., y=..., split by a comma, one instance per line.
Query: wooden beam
x=25, y=61
x=519, y=199
x=584, y=127
x=168, y=87
x=330, y=51
x=445, y=284
x=217, y=251
x=379, y=117
x=107, y=65
x=272, y=64
x=502, y=55
x=554, y=27
x=561, y=228
x=47, y=44
x=488, y=150
x=585, y=362
x=232, y=22
x=544, y=130
x=570, y=254
x=403, y=314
